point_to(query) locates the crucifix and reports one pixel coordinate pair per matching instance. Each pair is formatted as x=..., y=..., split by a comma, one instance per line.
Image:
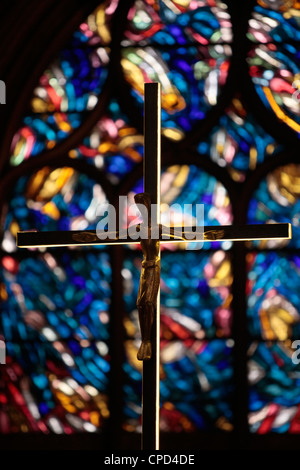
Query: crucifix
x=150, y=234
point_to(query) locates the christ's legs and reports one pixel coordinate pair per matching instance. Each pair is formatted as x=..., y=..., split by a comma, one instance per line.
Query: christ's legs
x=146, y=316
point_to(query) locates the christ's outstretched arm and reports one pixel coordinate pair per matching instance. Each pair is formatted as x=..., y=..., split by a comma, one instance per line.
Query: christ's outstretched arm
x=94, y=236
x=189, y=235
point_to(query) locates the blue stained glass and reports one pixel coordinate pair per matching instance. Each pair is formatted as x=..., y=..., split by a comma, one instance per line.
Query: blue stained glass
x=273, y=302
x=200, y=22
x=277, y=200
x=52, y=346
x=41, y=132
x=279, y=90
x=55, y=304
x=68, y=87
x=274, y=398
x=113, y=145
x=55, y=315
x=194, y=74
x=84, y=71
x=195, y=294
x=196, y=390
x=238, y=142
x=184, y=189
x=274, y=21
x=62, y=309
x=59, y=199
x=44, y=387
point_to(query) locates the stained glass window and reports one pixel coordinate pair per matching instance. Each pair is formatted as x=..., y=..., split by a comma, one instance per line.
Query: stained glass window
x=55, y=312
x=274, y=389
x=182, y=188
x=272, y=302
x=67, y=90
x=277, y=199
x=195, y=306
x=273, y=309
x=229, y=74
x=195, y=312
x=184, y=46
x=114, y=146
x=189, y=368
x=274, y=63
x=238, y=143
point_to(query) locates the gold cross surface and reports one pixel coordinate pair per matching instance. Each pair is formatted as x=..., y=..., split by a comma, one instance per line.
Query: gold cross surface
x=148, y=301
x=31, y=239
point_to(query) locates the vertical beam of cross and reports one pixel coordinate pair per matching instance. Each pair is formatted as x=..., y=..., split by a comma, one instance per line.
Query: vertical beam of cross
x=152, y=169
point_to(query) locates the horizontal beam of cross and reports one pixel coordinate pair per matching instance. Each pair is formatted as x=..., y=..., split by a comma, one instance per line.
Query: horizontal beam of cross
x=30, y=239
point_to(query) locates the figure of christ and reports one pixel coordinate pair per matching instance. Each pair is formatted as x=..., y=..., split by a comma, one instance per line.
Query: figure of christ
x=150, y=273
x=149, y=239
x=149, y=280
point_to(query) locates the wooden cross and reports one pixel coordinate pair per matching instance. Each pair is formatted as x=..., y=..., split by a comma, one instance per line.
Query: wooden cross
x=152, y=171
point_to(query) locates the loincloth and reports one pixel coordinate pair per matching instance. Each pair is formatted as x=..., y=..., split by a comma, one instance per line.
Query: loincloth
x=149, y=282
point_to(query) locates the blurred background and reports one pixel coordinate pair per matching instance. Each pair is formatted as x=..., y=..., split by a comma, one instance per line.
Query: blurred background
x=72, y=140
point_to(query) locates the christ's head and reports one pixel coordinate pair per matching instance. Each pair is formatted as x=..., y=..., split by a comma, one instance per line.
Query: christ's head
x=143, y=198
